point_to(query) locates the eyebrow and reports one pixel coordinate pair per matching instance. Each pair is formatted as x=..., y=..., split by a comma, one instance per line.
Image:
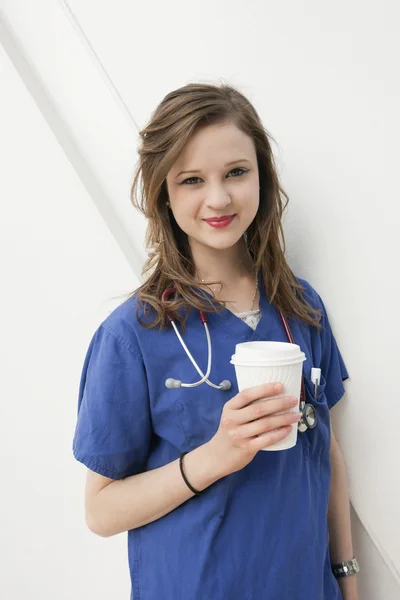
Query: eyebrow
x=233, y=162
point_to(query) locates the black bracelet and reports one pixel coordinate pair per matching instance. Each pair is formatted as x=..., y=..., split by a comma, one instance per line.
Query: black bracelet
x=184, y=476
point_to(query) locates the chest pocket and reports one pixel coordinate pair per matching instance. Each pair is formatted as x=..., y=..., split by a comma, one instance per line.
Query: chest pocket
x=317, y=441
x=199, y=411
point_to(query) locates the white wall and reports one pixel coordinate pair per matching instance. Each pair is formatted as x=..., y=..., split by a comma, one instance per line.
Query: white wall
x=60, y=269
x=322, y=80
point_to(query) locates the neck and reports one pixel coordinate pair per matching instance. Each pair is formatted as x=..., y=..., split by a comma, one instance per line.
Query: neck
x=225, y=266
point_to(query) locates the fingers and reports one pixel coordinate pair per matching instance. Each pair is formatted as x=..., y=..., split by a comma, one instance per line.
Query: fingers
x=267, y=439
x=262, y=426
x=248, y=395
x=260, y=409
x=253, y=425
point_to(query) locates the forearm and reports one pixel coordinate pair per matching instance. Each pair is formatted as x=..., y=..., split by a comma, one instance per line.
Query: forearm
x=140, y=499
x=340, y=546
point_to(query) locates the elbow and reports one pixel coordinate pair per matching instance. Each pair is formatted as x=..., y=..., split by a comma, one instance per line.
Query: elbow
x=97, y=526
x=337, y=458
x=101, y=526
x=100, y=532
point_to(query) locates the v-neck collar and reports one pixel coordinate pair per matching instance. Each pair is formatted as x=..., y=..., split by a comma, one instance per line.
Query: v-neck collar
x=266, y=327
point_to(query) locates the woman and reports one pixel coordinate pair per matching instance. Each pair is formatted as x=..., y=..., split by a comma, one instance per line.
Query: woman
x=208, y=515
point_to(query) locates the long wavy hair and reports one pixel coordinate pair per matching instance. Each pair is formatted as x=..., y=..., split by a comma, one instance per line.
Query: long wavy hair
x=170, y=262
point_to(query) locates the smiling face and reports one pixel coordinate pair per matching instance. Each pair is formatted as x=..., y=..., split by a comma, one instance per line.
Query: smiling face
x=217, y=197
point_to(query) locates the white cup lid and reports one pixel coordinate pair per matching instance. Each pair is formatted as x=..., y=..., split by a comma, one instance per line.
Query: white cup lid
x=267, y=353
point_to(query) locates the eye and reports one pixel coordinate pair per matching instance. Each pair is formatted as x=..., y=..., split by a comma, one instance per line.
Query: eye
x=239, y=169
x=189, y=179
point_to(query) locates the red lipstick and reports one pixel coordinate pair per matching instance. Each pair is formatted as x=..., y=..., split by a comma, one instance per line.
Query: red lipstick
x=220, y=222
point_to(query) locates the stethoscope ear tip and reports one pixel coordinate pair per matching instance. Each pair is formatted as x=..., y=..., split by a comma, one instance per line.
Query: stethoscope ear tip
x=173, y=383
x=225, y=385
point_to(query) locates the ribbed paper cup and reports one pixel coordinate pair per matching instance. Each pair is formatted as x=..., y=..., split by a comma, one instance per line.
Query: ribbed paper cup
x=264, y=362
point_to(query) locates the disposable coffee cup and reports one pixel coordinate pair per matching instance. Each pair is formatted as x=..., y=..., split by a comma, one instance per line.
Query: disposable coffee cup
x=265, y=362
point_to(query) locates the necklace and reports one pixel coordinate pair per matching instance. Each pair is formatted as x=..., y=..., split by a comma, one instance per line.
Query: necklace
x=253, y=300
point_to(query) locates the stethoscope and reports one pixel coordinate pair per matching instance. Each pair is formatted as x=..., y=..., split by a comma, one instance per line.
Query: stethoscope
x=308, y=411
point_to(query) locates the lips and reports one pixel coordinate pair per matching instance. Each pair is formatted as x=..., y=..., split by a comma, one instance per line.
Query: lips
x=220, y=221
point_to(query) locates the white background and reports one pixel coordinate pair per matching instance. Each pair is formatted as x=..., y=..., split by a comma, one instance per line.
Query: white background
x=77, y=81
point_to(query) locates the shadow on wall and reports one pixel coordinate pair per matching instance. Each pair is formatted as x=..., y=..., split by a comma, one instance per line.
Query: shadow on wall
x=377, y=581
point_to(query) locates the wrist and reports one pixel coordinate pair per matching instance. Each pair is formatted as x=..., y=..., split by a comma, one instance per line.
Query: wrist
x=345, y=568
x=348, y=587
x=201, y=467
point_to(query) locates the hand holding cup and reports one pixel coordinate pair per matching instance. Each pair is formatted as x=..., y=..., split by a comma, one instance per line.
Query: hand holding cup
x=261, y=362
x=247, y=426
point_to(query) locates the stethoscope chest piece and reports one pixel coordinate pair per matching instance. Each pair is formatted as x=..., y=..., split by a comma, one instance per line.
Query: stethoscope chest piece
x=308, y=418
x=307, y=411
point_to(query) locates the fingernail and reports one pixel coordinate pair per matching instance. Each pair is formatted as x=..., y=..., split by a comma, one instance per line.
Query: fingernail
x=278, y=387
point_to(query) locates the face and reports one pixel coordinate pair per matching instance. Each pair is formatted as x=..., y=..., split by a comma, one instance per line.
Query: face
x=215, y=200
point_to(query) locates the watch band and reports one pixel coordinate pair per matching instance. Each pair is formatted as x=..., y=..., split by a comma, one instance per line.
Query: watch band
x=346, y=568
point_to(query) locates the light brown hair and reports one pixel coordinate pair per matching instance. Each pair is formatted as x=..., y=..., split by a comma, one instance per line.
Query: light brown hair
x=181, y=113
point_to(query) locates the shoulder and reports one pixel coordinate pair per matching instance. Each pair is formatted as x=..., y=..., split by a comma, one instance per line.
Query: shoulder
x=122, y=323
x=310, y=293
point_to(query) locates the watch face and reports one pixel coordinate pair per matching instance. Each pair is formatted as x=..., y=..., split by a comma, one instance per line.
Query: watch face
x=356, y=565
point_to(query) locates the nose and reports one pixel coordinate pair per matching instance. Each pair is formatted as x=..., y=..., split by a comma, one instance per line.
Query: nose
x=217, y=197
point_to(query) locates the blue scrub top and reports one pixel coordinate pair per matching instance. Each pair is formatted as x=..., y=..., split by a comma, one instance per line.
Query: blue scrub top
x=258, y=534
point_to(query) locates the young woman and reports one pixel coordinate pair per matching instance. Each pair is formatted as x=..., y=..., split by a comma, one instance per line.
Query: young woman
x=208, y=515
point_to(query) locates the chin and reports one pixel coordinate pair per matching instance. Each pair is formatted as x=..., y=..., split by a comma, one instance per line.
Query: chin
x=224, y=243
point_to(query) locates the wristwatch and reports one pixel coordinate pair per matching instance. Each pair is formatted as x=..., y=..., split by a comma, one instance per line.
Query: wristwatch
x=346, y=568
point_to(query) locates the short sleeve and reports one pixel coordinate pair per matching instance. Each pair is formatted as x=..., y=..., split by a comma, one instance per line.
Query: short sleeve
x=113, y=428
x=331, y=361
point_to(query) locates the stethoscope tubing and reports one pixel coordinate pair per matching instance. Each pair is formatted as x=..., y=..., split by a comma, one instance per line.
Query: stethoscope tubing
x=308, y=412
x=204, y=377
